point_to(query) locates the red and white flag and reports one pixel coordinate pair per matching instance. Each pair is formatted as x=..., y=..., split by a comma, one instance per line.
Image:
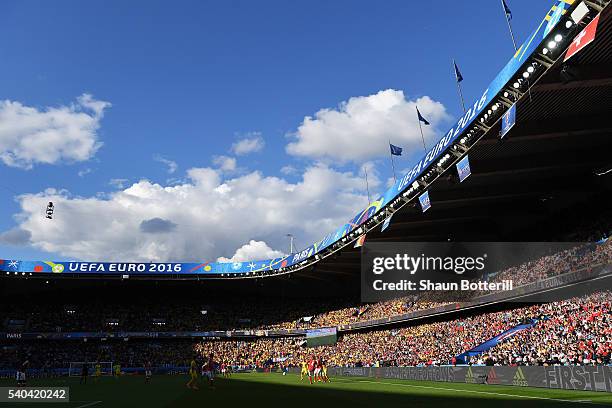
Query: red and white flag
x=584, y=38
x=360, y=241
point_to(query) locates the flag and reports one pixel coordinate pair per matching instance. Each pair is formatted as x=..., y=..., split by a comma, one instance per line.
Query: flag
x=421, y=118
x=386, y=223
x=425, y=202
x=395, y=150
x=463, y=169
x=584, y=38
x=507, y=10
x=360, y=241
x=508, y=121
x=458, y=75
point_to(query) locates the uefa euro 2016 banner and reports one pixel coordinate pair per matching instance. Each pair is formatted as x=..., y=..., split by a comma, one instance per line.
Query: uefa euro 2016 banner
x=547, y=24
x=132, y=268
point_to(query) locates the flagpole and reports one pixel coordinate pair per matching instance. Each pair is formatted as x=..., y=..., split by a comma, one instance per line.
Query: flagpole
x=458, y=87
x=506, y=10
x=365, y=169
x=421, y=129
x=509, y=25
x=392, y=164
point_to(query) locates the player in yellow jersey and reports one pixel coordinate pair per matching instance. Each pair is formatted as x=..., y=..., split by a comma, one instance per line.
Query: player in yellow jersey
x=97, y=371
x=117, y=370
x=324, y=371
x=304, y=371
x=193, y=374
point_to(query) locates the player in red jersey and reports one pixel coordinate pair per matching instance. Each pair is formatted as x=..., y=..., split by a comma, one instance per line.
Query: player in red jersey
x=311, y=368
x=318, y=368
x=208, y=370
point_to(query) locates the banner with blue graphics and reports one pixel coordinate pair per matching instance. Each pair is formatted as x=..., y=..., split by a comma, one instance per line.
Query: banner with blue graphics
x=425, y=202
x=508, y=121
x=463, y=168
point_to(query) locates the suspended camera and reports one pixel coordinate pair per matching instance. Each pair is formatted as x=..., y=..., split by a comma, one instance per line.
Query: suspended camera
x=50, y=208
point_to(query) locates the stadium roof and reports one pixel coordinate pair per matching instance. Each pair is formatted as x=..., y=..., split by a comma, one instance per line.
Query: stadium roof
x=549, y=162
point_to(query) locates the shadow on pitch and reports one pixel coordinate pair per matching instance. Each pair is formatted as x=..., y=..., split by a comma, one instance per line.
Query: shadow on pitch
x=341, y=393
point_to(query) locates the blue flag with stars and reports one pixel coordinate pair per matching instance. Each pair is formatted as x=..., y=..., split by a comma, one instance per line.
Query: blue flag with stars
x=421, y=118
x=395, y=150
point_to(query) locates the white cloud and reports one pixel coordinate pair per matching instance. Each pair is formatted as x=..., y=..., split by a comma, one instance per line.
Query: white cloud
x=203, y=219
x=83, y=172
x=288, y=170
x=172, y=166
x=118, y=182
x=225, y=163
x=30, y=136
x=251, y=144
x=361, y=128
x=253, y=251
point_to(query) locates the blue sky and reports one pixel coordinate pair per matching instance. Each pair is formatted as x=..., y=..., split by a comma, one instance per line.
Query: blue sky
x=185, y=80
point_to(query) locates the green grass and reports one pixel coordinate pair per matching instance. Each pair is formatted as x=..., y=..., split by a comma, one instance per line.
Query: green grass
x=273, y=390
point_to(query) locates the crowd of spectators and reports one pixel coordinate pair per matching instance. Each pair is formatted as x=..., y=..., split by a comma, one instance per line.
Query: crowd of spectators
x=572, y=259
x=577, y=331
x=59, y=354
x=574, y=331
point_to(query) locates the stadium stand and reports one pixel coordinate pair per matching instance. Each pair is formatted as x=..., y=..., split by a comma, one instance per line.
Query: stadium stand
x=575, y=331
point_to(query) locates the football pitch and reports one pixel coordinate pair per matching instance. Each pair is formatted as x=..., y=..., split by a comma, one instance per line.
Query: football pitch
x=273, y=389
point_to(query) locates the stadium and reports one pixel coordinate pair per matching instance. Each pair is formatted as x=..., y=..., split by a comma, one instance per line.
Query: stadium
x=523, y=175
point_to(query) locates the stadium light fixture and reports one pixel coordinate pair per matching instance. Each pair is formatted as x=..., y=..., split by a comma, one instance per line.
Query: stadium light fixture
x=552, y=44
x=558, y=38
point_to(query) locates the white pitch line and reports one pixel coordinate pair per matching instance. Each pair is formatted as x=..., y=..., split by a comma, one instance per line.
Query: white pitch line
x=89, y=404
x=469, y=391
